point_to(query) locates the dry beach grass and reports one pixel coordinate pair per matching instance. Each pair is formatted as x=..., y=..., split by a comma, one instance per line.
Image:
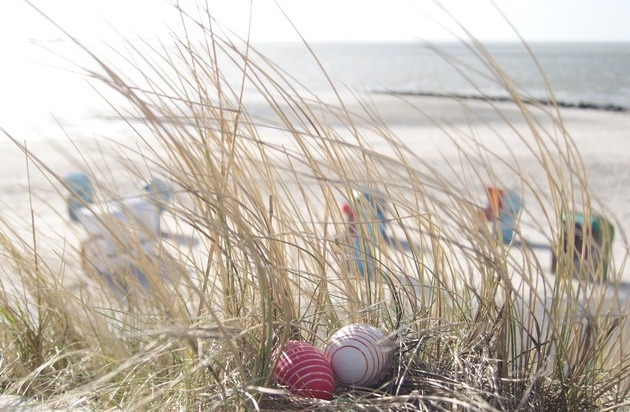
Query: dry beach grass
x=249, y=255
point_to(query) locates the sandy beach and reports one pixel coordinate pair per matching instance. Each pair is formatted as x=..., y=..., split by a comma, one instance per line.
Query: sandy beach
x=426, y=125
x=421, y=123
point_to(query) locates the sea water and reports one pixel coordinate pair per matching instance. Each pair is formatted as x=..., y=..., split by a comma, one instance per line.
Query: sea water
x=46, y=93
x=591, y=74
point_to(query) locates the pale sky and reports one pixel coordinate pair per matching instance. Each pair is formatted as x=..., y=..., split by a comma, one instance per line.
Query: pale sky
x=332, y=20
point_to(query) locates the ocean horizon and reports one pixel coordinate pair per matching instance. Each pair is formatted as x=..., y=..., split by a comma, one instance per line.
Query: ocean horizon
x=588, y=75
x=45, y=88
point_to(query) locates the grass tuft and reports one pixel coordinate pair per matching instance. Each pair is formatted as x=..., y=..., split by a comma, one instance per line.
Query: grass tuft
x=254, y=250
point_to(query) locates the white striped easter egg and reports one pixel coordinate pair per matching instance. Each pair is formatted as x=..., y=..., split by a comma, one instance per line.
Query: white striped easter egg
x=304, y=371
x=359, y=354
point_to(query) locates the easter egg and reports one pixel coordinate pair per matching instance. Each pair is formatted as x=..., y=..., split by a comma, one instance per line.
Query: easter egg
x=305, y=371
x=359, y=354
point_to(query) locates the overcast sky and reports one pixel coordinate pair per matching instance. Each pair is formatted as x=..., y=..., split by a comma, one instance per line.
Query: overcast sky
x=332, y=20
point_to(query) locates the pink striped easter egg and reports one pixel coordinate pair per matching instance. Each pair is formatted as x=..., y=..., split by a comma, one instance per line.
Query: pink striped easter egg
x=359, y=354
x=304, y=371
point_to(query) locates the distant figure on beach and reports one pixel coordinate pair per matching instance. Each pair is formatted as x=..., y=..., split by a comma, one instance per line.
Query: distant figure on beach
x=122, y=233
x=370, y=207
x=503, y=209
x=366, y=225
x=592, y=238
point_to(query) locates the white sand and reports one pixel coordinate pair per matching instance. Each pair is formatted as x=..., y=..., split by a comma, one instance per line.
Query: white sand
x=603, y=139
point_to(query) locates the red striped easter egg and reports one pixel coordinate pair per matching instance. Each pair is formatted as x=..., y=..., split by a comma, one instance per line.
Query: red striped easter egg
x=305, y=371
x=359, y=354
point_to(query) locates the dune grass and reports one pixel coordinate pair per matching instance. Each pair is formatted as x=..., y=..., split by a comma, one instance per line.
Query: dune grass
x=478, y=324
